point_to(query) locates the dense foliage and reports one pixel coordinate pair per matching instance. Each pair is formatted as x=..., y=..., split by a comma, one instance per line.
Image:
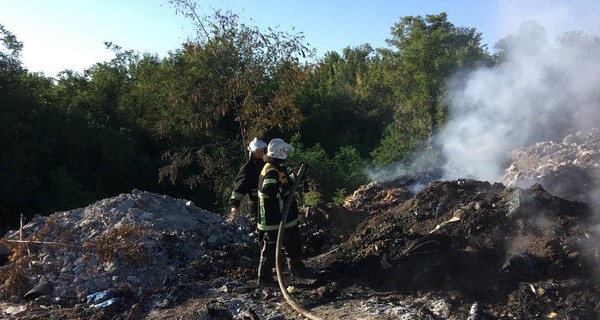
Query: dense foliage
x=427, y=52
x=179, y=124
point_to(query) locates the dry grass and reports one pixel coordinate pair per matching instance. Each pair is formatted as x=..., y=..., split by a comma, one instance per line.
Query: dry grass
x=13, y=275
x=17, y=274
x=120, y=243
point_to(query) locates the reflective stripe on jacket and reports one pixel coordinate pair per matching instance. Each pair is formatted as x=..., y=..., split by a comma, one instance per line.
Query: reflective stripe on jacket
x=273, y=188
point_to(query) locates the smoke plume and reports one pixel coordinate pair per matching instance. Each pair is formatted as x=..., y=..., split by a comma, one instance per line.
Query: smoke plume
x=543, y=90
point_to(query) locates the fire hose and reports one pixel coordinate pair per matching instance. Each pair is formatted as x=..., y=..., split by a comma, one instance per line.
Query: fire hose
x=286, y=209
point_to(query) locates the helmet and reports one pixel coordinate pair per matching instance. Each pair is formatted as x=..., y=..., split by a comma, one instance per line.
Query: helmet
x=279, y=149
x=256, y=144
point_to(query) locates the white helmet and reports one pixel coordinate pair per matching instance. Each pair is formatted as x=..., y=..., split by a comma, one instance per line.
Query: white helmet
x=256, y=144
x=279, y=149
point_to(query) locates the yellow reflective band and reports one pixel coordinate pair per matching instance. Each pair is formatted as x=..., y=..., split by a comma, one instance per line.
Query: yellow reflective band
x=269, y=181
x=265, y=169
x=263, y=227
x=264, y=196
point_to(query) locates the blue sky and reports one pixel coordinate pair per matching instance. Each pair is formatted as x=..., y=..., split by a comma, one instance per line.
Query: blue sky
x=69, y=34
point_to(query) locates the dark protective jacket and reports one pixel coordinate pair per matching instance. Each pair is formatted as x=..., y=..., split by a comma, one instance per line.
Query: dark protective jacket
x=274, y=184
x=246, y=183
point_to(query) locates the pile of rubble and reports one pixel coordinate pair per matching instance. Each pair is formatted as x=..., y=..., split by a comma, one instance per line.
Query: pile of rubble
x=569, y=168
x=141, y=241
x=324, y=226
x=518, y=253
x=380, y=195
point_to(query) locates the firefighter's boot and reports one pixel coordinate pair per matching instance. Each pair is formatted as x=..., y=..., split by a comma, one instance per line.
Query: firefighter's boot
x=297, y=268
x=265, y=268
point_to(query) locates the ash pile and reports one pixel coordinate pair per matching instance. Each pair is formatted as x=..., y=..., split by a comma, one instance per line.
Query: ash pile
x=132, y=243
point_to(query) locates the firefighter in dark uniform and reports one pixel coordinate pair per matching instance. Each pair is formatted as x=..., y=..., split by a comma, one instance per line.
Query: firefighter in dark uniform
x=274, y=185
x=246, y=182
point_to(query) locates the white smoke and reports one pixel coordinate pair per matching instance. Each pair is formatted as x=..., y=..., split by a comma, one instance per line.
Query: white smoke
x=557, y=16
x=544, y=88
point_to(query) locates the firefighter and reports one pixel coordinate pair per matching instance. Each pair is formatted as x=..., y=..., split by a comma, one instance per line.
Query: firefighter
x=274, y=184
x=246, y=182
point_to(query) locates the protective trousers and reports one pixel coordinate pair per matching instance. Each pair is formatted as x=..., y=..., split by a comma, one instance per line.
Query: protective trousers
x=293, y=251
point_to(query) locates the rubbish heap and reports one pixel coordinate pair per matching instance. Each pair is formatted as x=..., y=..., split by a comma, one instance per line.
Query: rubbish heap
x=569, y=168
x=139, y=240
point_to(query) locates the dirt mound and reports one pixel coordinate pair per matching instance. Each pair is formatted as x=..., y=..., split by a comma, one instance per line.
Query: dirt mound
x=127, y=248
x=323, y=226
x=519, y=252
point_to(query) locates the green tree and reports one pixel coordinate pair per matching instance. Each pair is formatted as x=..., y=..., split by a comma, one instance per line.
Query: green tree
x=88, y=148
x=527, y=40
x=27, y=124
x=328, y=175
x=16, y=180
x=10, y=53
x=339, y=104
x=230, y=84
x=428, y=51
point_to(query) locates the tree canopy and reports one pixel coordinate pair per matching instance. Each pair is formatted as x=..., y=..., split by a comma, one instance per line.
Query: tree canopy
x=427, y=51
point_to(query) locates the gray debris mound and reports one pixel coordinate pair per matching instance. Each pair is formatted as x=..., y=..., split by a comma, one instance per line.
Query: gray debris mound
x=139, y=239
x=569, y=168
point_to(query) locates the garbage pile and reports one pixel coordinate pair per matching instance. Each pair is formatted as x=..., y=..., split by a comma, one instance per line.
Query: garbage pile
x=519, y=253
x=569, y=168
x=380, y=195
x=139, y=240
